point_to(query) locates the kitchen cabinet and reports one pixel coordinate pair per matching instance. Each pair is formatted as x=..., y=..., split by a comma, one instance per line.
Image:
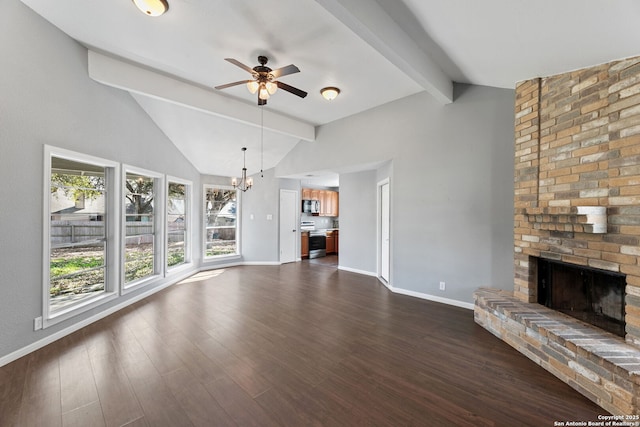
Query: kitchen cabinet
x=304, y=245
x=325, y=209
x=330, y=203
x=336, y=235
x=328, y=200
x=334, y=203
x=331, y=243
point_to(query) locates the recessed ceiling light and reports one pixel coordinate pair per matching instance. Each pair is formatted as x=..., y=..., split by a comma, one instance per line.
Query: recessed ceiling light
x=330, y=93
x=152, y=7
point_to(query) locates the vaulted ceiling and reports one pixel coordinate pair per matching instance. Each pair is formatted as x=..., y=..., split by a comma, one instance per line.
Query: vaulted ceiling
x=375, y=51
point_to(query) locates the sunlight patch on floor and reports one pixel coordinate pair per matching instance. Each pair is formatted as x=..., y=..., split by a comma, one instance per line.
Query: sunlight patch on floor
x=202, y=276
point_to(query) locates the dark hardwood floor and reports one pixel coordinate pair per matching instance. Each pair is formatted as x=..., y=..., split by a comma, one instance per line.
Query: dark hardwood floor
x=300, y=344
x=328, y=261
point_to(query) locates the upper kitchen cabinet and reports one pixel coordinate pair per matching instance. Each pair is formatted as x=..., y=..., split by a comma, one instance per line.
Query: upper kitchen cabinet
x=325, y=203
x=328, y=200
x=334, y=203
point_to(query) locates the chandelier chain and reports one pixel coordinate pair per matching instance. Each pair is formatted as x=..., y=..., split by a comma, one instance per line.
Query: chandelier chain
x=261, y=140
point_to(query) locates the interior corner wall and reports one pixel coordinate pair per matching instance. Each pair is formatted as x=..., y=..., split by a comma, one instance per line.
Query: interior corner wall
x=358, y=221
x=47, y=97
x=260, y=235
x=451, y=191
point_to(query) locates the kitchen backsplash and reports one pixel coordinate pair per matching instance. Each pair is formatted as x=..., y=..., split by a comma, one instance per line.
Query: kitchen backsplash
x=321, y=221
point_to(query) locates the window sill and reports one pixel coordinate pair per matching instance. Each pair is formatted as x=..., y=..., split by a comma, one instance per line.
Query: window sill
x=132, y=286
x=67, y=313
x=220, y=259
x=179, y=268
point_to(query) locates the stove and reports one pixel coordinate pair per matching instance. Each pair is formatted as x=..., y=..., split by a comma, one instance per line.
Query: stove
x=317, y=239
x=307, y=225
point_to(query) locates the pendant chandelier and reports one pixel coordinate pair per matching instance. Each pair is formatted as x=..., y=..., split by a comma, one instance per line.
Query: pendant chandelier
x=245, y=183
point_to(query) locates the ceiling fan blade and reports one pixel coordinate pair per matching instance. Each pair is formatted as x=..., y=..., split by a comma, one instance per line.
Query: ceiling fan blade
x=291, y=89
x=289, y=69
x=240, y=64
x=233, y=84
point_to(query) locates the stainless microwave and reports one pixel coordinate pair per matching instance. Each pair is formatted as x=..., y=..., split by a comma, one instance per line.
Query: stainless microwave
x=311, y=206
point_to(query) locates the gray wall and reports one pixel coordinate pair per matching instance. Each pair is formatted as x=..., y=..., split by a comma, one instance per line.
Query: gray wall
x=451, y=186
x=46, y=97
x=358, y=221
x=260, y=238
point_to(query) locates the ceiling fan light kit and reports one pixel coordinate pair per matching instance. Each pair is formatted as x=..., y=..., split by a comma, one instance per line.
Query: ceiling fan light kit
x=330, y=93
x=264, y=79
x=152, y=7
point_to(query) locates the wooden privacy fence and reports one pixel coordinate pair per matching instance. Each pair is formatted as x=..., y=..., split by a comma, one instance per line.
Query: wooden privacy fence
x=65, y=232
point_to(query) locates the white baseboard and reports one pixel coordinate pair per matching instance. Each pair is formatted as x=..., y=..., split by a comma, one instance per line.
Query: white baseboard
x=429, y=297
x=261, y=263
x=415, y=294
x=355, y=270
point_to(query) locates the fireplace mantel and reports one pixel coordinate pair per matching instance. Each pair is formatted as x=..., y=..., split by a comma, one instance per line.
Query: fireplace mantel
x=580, y=219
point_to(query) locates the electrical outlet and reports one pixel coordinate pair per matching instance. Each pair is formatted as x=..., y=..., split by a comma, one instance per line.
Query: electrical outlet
x=442, y=286
x=37, y=323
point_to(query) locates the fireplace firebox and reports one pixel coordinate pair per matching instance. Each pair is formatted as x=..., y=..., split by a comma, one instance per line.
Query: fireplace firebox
x=588, y=294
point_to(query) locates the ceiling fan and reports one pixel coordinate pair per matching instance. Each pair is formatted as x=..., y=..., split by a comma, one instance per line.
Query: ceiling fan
x=264, y=79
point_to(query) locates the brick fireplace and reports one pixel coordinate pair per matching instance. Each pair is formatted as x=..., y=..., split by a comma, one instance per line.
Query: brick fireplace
x=577, y=202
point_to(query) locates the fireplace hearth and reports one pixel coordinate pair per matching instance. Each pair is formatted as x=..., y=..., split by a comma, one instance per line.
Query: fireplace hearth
x=577, y=202
x=591, y=295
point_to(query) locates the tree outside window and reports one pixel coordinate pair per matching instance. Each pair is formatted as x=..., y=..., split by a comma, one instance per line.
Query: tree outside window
x=220, y=205
x=140, y=227
x=176, y=224
x=78, y=246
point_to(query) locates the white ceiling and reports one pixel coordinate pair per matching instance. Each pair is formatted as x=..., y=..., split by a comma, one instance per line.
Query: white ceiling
x=375, y=51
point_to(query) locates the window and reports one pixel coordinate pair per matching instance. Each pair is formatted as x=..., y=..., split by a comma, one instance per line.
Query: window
x=77, y=250
x=220, y=205
x=177, y=222
x=140, y=249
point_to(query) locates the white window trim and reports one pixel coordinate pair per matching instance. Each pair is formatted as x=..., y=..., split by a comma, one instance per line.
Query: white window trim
x=203, y=236
x=188, y=250
x=112, y=230
x=159, y=209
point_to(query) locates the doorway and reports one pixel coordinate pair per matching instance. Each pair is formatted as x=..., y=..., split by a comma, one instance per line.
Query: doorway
x=384, y=234
x=288, y=226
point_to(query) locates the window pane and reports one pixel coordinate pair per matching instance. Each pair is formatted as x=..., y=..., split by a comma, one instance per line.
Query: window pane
x=77, y=232
x=76, y=273
x=176, y=224
x=220, y=210
x=139, y=227
x=138, y=262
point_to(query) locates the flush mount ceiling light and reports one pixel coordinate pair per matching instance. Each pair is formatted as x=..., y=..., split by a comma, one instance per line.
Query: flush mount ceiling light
x=152, y=7
x=330, y=93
